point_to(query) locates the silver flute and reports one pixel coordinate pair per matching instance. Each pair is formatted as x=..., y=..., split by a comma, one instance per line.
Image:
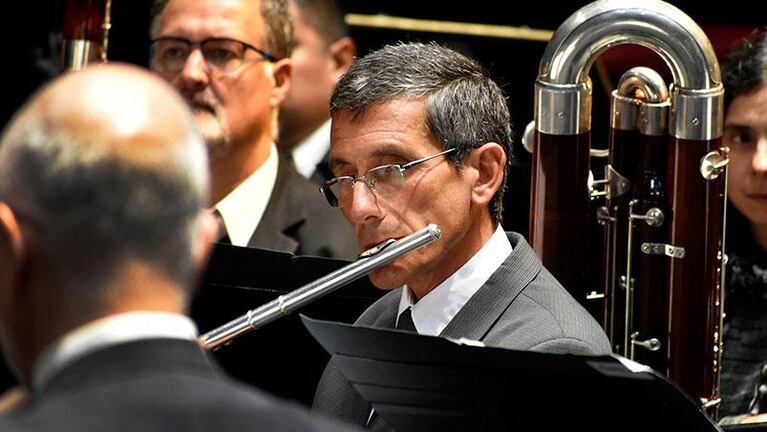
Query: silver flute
x=369, y=261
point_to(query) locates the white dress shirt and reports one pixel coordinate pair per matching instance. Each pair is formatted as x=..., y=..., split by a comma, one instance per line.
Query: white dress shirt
x=243, y=208
x=432, y=313
x=105, y=332
x=309, y=152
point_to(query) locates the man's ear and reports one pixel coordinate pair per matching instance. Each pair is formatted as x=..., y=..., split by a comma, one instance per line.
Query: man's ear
x=342, y=51
x=11, y=240
x=207, y=234
x=281, y=74
x=12, y=251
x=490, y=161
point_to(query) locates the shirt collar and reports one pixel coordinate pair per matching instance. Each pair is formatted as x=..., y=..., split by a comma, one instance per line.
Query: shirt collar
x=105, y=332
x=432, y=313
x=312, y=150
x=243, y=208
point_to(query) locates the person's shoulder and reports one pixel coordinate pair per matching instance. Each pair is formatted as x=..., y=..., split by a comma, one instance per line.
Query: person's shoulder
x=545, y=315
x=522, y=256
x=7, y=424
x=549, y=323
x=543, y=288
x=573, y=328
x=184, y=400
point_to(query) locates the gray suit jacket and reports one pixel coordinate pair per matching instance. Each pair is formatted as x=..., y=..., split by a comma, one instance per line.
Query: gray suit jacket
x=520, y=307
x=298, y=220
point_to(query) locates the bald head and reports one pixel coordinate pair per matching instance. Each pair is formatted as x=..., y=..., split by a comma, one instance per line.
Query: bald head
x=107, y=166
x=111, y=111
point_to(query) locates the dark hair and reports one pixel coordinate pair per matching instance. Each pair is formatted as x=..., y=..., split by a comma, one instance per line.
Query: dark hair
x=745, y=68
x=743, y=71
x=325, y=17
x=465, y=108
x=278, y=38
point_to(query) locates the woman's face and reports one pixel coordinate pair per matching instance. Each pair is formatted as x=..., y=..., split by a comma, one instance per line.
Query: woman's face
x=745, y=132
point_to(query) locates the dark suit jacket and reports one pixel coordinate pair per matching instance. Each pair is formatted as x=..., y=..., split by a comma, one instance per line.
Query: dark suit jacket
x=322, y=173
x=520, y=307
x=299, y=220
x=154, y=385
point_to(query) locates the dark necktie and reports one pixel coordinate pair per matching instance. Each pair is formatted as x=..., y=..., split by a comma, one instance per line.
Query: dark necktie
x=405, y=321
x=223, y=234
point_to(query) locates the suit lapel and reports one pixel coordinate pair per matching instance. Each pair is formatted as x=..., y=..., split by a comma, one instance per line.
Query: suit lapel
x=284, y=213
x=383, y=313
x=485, y=307
x=388, y=318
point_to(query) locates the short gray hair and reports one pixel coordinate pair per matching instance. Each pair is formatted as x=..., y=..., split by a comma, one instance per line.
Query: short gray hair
x=278, y=37
x=465, y=108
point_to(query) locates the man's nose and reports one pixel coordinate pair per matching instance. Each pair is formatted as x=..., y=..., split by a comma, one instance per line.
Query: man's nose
x=194, y=74
x=759, y=161
x=364, y=204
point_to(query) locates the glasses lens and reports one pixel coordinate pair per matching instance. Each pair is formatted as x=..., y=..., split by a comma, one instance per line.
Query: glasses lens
x=170, y=55
x=386, y=179
x=329, y=196
x=382, y=181
x=337, y=191
x=223, y=55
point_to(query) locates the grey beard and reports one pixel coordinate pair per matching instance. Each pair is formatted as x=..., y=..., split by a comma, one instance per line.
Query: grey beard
x=214, y=130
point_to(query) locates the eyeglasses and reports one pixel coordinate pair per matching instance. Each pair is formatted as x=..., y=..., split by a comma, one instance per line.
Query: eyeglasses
x=384, y=180
x=169, y=54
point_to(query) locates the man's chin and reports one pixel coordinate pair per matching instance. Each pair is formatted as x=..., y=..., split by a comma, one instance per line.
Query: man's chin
x=217, y=145
x=388, y=278
x=213, y=134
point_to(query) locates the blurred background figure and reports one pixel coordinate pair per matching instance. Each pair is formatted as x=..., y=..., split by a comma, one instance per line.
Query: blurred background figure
x=230, y=60
x=102, y=235
x=744, y=357
x=323, y=52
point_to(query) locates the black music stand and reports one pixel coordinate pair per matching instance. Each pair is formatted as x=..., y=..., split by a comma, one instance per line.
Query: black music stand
x=748, y=427
x=423, y=383
x=281, y=357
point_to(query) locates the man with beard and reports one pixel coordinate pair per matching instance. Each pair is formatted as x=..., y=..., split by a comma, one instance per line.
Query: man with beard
x=230, y=60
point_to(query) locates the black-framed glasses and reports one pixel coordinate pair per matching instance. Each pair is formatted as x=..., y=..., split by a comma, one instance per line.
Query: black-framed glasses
x=169, y=53
x=383, y=180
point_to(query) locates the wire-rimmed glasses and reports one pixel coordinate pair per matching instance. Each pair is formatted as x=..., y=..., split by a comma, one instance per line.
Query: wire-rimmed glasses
x=383, y=180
